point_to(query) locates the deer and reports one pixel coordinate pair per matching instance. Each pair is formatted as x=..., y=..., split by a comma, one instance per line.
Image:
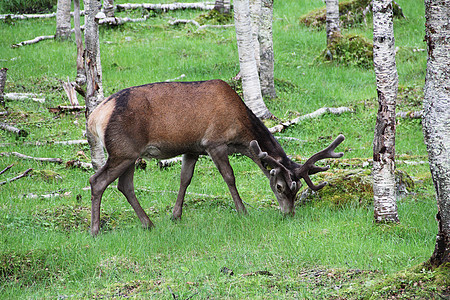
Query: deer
x=168, y=119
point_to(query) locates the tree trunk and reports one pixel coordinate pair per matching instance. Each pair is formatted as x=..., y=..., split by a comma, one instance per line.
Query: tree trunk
x=333, y=28
x=255, y=17
x=387, y=86
x=436, y=116
x=81, y=72
x=108, y=8
x=63, y=29
x=266, y=50
x=249, y=71
x=2, y=85
x=94, y=91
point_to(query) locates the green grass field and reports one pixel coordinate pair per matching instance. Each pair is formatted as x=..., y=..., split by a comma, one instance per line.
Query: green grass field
x=325, y=251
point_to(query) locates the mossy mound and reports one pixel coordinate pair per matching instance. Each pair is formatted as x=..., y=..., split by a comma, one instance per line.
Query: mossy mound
x=214, y=17
x=351, y=14
x=352, y=188
x=349, y=50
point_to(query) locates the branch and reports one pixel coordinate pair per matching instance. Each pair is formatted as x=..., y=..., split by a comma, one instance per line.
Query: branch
x=113, y=21
x=33, y=41
x=61, y=109
x=24, y=96
x=6, y=169
x=2, y=85
x=12, y=129
x=165, y=7
x=317, y=113
x=24, y=174
x=23, y=156
x=199, y=27
x=410, y=114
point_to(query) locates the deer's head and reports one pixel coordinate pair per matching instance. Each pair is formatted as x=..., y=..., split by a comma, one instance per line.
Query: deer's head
x=285, y=180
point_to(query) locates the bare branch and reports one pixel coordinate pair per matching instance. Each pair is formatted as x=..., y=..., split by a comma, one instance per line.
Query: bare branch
x=24, y=174
x=23, y=156
x=6, y=169
x=12, y=129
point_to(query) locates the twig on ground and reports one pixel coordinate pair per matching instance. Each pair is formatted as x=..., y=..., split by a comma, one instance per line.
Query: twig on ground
x=41, y=159
x=6, y=169
x=24, y=174
x=317, y=113
x=61, y=109
x=33, y=41
x=24, y=96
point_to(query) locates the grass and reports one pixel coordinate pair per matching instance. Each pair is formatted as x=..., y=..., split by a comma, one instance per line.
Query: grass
x=322, y=252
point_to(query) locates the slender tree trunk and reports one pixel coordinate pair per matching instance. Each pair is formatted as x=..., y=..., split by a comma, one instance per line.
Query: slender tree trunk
x=266, y=50
x=63, y=29
x=249, y=71
x=226, y=6
x=255, y=17
x=387, y=86
x=94, y=91
x=108, y=8
x=436, y=118
x=2, y=85
x=333, y=28
x=81, y=72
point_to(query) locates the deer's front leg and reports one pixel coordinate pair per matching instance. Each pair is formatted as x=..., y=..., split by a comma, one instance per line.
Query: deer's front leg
x=187, y=170
x=219, y=155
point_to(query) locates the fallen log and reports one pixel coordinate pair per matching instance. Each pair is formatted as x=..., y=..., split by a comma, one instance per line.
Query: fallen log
x=409, y=114
x=164, y=7
x=195, y=23
x=315, y=114
x=33, y=41
x=24, y=96
x=61, y=109
x=114, y=21
x=12, y=129
x=40, y=159
x=24, y=174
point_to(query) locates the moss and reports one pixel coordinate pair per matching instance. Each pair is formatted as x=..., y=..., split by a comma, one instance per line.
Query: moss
x=47, y=175
x=214, y=17
x=418, y=282
x=349, y=50
x=352, y=188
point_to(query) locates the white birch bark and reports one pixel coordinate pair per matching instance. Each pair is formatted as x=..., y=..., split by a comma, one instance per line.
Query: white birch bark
x=108, y=8
x=63, y=29
x=436, y=118
x=267, y=59
x=81, y=73
x=255, y=17
x=249, y=71
x=385, y=206
x=333, y=27
x=94, y=91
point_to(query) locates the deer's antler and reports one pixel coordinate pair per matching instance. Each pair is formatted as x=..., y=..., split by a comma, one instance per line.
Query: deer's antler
x=309, y=168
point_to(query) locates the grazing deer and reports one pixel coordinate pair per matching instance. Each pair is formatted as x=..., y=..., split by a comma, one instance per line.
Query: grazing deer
x=163, y=120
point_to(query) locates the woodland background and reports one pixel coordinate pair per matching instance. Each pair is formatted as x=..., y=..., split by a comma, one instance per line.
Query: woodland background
x=331, y=249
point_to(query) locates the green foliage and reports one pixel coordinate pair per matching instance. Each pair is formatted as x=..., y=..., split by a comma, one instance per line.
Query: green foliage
x=27, y=6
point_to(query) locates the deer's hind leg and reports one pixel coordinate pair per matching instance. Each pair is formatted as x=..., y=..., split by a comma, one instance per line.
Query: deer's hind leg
x=100, y=181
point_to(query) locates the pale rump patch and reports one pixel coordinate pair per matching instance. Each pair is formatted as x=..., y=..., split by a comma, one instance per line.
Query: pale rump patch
x=99, y=119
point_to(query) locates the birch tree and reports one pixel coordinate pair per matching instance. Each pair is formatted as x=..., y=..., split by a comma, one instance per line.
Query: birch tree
x=436, y=118
x=385, y=206
x=266, y=54
x=63, y=29
x=94, y=90
x=222, y=6
x=249, y=71
x=333, y=27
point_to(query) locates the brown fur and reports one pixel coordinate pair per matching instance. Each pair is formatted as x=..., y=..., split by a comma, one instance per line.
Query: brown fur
x=163, y=120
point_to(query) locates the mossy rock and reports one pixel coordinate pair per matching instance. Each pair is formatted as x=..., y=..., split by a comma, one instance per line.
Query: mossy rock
x=349, y=50
x=352, y=188
x=47, y=175
x=350, y=14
